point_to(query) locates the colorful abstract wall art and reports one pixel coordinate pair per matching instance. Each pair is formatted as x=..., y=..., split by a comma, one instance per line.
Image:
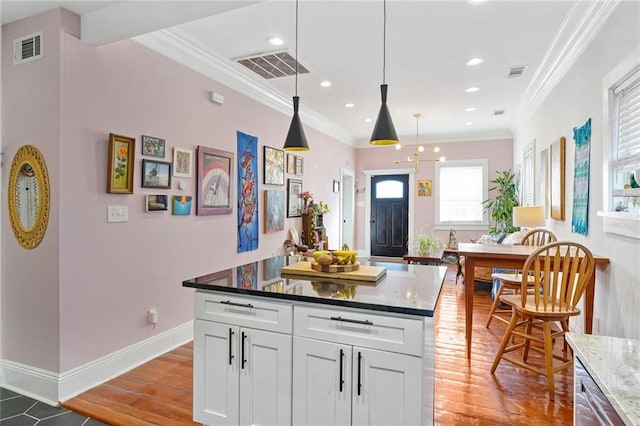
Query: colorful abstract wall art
x=248, y=225
x=580, y=215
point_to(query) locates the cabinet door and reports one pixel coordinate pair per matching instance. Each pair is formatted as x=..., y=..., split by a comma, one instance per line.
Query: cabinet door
x=216, y=384
x=265, y=378
x=321, y=383
x=387, y=388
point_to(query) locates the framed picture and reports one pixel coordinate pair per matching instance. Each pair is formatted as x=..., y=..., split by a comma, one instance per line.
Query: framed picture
x=273, y=210
x=156, y=203
x=120, y=164
x=336, y=185
x=556, y=178
x=424, y=188
x=215, y=169
x=271, y=267
x=156, y=174
x=291, y=164
x=299, y=165
x=222, y=278
x=181, y=205
x=273, y=166
x=544, y=181
x=248, y=276
x=182, y=162
x=152, y=146
x=294, y=200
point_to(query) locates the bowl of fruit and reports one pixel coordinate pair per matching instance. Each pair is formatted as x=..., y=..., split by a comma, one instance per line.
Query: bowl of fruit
x=335, y=261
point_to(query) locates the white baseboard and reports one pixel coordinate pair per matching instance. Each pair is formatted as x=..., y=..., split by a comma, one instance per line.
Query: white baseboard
x=51, y=387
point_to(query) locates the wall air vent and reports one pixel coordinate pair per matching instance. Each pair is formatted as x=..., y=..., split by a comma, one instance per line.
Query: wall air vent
x=498, y=112
x=273, y=65
x=517, y=71
x=27, y=48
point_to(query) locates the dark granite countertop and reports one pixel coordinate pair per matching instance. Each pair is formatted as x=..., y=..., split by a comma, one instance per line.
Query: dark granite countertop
x=406, y=289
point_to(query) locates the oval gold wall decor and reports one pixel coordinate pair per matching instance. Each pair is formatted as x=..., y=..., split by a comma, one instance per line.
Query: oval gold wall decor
x=28, y=196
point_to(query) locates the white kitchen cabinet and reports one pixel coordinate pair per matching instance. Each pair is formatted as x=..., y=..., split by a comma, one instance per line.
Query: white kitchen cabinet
x=335, y=383
x=243, y=374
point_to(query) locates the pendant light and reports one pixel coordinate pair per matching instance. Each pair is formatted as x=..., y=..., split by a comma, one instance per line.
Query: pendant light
x=383, y=132
x=296, y=139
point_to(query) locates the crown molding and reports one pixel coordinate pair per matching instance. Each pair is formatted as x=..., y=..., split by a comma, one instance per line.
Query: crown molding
x=580, y=26
x=183, y=49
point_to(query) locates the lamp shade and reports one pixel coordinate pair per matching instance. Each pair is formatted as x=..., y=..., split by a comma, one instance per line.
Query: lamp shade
x=296, y=139
x=383, y=132
x=528, y=216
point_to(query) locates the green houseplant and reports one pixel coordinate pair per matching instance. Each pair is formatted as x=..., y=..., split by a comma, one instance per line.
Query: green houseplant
x=500, y=207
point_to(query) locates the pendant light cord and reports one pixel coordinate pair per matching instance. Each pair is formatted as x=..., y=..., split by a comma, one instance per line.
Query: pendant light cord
x=296, y=47
x=384, y=41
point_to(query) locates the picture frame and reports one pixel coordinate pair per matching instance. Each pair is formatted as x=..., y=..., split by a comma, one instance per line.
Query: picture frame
x=299, y=165
x=182, y=162
x=120, y=165
x=424, y=188
x=181, y=205
x=557, y=155
x=291, y=164
x=274, y=202
x=544, y=181
x=215, y=171
x=294, y=200
x=153, y=146
x=273, y=166
x=156, y=174
x=222, y=278
x=156, y=203
x=336, y=185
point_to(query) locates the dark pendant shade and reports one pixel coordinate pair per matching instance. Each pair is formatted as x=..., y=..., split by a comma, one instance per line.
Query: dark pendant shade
x=296, y=140
x=384, y=133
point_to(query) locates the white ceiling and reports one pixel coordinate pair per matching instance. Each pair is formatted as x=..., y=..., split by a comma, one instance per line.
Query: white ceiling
x=341, y=41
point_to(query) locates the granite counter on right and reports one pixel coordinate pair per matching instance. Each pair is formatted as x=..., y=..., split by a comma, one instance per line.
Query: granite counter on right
x=607, y=379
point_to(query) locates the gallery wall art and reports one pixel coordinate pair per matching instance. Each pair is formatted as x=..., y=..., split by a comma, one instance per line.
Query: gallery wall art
x=247, y=192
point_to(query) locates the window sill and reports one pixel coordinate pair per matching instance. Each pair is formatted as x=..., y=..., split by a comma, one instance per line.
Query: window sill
x=621, y=223
x=444, y=226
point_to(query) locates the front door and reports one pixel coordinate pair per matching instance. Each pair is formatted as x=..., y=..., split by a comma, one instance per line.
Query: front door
x=389, y=215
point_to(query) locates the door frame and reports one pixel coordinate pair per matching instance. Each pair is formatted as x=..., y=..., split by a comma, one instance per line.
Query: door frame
x=347, y=196
x=367, y=202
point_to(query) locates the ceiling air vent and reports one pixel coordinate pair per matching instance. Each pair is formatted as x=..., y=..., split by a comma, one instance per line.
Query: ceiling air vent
x=498, y=112
x=273, y=65
x=27, y=48
x=517, y=71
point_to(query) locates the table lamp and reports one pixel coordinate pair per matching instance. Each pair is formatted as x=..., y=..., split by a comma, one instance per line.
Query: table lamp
x=528, y=216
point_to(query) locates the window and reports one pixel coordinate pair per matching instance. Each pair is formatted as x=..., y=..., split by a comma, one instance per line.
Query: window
x=626, y=129
x=528, y=184
x=389, y=189
x=461, y=187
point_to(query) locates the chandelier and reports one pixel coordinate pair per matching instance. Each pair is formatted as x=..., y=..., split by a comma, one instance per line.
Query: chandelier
x=418, y=149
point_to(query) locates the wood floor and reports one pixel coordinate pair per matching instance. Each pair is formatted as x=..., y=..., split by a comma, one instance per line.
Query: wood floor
x=159, y=392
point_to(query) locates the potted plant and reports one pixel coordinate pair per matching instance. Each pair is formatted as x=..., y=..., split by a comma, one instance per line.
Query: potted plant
x=501, y=207
x=426, y=244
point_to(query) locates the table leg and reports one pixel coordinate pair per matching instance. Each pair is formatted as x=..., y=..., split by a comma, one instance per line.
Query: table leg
x=469, y=268
x=588, y=303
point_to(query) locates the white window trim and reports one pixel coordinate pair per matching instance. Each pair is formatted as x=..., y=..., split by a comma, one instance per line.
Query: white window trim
x=467, y=226
x=621, y=223
x=528, y=165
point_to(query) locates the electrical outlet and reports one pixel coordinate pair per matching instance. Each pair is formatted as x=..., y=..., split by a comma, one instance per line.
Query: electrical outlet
x=152, y=316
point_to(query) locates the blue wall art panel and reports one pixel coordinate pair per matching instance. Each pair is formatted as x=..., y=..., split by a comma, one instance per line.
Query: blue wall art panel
x=247, y=192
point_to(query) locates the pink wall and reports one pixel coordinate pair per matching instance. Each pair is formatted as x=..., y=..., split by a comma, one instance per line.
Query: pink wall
x=498, y=152
x=106, y=276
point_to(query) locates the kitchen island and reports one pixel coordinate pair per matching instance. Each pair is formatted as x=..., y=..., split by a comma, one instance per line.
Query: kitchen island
x=271, y=349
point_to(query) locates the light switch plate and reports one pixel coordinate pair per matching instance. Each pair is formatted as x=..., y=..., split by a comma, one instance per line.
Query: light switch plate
x=117, y=214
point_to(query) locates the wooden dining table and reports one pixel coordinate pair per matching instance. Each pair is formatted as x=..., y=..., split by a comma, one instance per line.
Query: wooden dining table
x=509, y=256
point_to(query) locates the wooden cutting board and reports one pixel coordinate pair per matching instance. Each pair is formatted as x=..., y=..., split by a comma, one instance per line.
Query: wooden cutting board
x=364, y=273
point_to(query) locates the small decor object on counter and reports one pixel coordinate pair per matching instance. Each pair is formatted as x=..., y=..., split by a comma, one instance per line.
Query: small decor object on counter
x=152, y=146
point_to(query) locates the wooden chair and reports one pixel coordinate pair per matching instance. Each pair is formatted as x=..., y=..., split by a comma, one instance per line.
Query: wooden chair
x=564, y=269
x=512, y=280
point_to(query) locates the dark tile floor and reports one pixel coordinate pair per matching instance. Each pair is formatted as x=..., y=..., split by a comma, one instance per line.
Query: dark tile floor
x=19, y=410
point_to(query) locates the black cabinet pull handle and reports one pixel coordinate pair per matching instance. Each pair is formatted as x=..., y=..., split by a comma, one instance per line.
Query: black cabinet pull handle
x=244, y=336
x=231, y=333
x=359, y=372
x=229, y=302
x=341, y=379
x=364, y=322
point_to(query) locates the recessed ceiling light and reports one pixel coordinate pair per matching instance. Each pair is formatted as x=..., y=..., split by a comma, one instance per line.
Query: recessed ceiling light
x=368, y=120
x=474, y=61
x=349, y=105
x=471, y=89
x=325, y=83
x=468, y=123
x=470, y=109
x=275, y=41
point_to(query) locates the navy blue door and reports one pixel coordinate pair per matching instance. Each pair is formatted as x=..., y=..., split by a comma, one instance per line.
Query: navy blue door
x=389, y=215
